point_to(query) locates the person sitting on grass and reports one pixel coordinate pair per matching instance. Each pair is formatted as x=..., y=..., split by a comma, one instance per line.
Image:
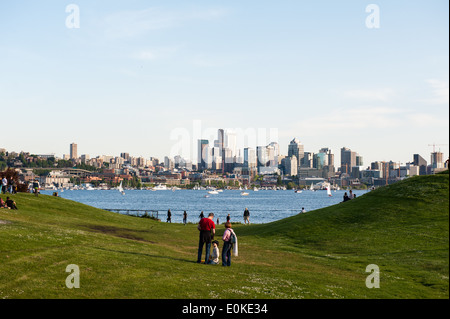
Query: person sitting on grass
x=214, y=259
x=10, y=203
x=3, y=204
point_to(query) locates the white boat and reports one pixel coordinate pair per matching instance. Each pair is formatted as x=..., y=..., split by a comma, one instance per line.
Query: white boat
x=329, y=191
x=255, y=189
x=311, y=188
x=214, y=192
x=298, y=191
x=160, y=188
x=120, y=189
x=244, y=194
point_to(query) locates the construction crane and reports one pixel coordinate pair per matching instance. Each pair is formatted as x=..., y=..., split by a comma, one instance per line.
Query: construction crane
x=434, y=146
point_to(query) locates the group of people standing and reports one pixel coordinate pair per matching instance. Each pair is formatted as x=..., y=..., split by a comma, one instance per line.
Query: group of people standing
x=207, y=230
x=228, y=218
x=8, y=186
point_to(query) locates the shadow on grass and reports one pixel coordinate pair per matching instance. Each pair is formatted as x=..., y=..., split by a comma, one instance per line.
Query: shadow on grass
x=192, y=261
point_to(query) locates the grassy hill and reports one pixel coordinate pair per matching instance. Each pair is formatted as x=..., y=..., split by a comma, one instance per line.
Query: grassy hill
x=402, y=228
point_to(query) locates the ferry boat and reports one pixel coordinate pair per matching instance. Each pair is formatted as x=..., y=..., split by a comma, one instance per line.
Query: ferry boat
x=160, y=188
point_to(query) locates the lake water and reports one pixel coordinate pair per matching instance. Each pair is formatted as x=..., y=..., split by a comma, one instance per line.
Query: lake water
x=265, y=206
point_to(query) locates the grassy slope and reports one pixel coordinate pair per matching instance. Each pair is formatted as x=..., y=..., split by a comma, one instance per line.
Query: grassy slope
x=403, y=228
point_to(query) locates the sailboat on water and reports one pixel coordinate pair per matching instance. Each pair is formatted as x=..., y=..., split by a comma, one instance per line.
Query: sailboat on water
x=120, y=188
x=329, y=191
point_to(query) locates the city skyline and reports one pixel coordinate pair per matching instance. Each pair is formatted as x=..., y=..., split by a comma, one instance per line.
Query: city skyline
x=303, y=158
x=129, y=75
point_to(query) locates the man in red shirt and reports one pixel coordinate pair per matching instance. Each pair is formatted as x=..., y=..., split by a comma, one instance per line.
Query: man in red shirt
x=207, y=230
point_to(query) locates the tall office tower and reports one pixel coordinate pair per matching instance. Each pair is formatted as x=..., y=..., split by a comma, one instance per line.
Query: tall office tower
x=216, y=153
x=296, y=148
x=267, y=158
x=125, y=156
x=437, y=160
x=230, y=142
x=229, y=151
x=168, y=163
x=290, y=165
x=249, y=158
x=274, y=149
x=229, y=160
x=422, y=163
x=320, y=160
x=203, y=146
x=73, y=151
x=325, y=151
x=348, y=160
x=221, y=139
x=359, y=160
x=331, y=160
x=307, y=160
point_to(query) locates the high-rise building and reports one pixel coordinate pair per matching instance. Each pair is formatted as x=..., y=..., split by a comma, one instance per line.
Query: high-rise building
x=320, y=160
x=230, y=142
x=267, y=158
x=437, y=160
x=290, y=165
x=221, y=138
x=202, y=154
x=359, y=160
x=249, y=158
x=348, y=160
x=422, y=163
x=307, y=160
x=296, y=148
x=73, y=151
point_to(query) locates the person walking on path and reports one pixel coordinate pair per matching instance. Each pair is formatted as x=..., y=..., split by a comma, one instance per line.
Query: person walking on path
x=184, y=218
x=201, y=215
x=228, y=218
x=207, y=230
x=246, y=216
x=169, y=216
x=229, y=241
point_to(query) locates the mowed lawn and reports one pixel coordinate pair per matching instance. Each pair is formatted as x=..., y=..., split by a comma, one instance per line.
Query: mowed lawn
x=402, y=228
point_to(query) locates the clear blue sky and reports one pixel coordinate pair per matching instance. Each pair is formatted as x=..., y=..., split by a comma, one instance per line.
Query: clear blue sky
x=137, y=70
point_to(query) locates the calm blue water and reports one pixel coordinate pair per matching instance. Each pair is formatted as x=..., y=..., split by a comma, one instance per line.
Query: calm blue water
x=265, y=205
